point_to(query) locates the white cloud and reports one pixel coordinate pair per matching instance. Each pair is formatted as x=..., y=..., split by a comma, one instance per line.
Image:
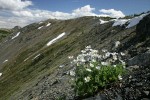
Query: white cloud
x=112, y=13
x=9, y=22
x=16, y=13
x=23, y=13
x=83, y=11
x=14, y=4
x=36, y=13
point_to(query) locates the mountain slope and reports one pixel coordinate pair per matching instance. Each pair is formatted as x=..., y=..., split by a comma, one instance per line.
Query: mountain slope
x=4, y=33
x=31, y=69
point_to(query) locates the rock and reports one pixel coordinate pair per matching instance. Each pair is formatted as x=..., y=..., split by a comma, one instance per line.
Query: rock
x=119, y=97
x=101, y=97
x=146, y=92
x=140, y=60
x=145, y=99
x=133, y=67
x=16, y=28
x=143, y=28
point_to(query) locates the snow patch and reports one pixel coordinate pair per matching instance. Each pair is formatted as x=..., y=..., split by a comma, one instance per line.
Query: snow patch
x=0, y=74
x=102, y=21
x=61, y=66
x=40, y=22
x=120, y=22
x=26, y=59
x=48, y=24
x=16, y=35
x=36, y=56
x=40, y=27
x=55, y=39
x=134, y=21
x=5, y=61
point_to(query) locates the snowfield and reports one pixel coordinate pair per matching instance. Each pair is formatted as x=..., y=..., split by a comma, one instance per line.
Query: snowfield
x=16, y=35
x=102, y=21
x=134, y=21
x=55, y=39
x=120, y=22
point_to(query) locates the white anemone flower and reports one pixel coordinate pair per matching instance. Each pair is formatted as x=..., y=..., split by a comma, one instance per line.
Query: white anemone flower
x=104, y=57
x=114, y=65
x=92, y=65
x=87, y=79
x=93, y=60
x=124, y=66
x=78, y=64
x=104, y=63
x=72, y=73
x=117, y=43
x=100, y=56
x=107, y=54
x=122, y=54
x=61, y=66
x=123, y=63
x=119, y=77
x=0, y=74
x=88, y=47
x=98, y=67
x=89, y=70
x=104, y=50
x=70, y=57
x=115, y=57
x=94, y=51
x=83, y=51
x=114, y=53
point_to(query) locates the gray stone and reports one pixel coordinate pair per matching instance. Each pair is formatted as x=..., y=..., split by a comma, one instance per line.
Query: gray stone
x=140, y=60
x=146, y=92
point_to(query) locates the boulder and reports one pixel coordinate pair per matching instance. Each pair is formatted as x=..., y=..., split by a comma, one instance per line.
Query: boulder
x=140, y=60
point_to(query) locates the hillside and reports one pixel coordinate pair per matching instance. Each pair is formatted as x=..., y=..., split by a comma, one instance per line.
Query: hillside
x=4, y=33
x=30, y=58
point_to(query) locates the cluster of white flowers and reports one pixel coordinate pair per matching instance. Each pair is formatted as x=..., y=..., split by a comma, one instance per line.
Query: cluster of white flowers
x=72, y=73
x=70, y=57
x=89, y=57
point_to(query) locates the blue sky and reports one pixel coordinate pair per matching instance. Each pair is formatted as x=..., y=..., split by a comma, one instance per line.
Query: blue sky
x=24, y=12
x=126, y=6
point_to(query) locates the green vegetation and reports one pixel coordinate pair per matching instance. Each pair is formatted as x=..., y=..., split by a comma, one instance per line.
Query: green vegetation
x=94, y=71
x=3, y=34
x=88, y=82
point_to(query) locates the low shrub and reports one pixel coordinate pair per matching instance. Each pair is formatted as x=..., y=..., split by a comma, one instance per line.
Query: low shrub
x=93, y=71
